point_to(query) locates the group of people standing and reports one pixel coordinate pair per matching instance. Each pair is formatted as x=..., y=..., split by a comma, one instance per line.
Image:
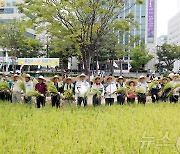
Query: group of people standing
x=109, y=88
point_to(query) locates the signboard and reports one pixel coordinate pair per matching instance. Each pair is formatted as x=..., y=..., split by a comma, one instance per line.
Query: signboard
x=39, y=61
x=2, y=3
x=151, y=16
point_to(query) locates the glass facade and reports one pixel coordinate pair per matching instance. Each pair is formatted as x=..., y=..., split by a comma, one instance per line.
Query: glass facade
x=8, y=6
x=139, y=12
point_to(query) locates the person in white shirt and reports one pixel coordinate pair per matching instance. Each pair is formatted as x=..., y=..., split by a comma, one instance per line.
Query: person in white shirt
x=28, y=86
x=81, y=89
x=110, y=89
x=175, y=92
x=120, y=83
x=97, y=86
x=16, y=90
x=142, y=84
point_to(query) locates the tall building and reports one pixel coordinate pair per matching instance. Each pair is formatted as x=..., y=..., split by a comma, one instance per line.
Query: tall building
x=146, y=16
x=162, y=40
x=8, y=10
x=174, y=30
x=178, y=4
x=174, y=36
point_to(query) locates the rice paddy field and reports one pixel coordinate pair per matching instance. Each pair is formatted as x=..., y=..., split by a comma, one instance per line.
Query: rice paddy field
x=150, y=129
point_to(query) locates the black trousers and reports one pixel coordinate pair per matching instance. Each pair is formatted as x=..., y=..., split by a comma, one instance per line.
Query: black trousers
x=131, y=100
x=28, y=100
x=80, y=100
x=155, y=98
x=55, y=100
x=109, y=101
x=2, y=95
x=40, y=101
x=96, y=101
x=8, y=96
x=174, y=98
x=141, y=98
x=121, y=99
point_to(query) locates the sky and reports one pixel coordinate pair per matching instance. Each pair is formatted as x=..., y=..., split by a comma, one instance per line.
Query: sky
x=166, y=9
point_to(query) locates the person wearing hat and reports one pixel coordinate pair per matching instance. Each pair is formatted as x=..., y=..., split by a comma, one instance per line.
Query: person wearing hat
x=175, y=91
x=142, y=84
x=28, y=86
x=16, y=89
x=120, y=83
x=153, y=76
x=55, y=98
x=41, y=87
x=68, y=84
x=97, y=86
x=163, y=94
x=155, y=90
x=81, y=89
x=110, y=89
x=131, y=91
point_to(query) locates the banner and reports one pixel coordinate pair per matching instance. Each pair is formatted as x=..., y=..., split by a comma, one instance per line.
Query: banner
x=151, y=15
x=39, y=61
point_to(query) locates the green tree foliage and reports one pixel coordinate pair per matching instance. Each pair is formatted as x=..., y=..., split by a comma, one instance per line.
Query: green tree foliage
x=13, y=39
x=168, y=54
x=81, y=23
x=139, y=57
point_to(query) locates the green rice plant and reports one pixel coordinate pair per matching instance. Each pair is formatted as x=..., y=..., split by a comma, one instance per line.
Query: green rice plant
x=152, y=84
x=35, y=81
x=4, y=85
x=51, y=88
x=68, y=95
x=86, y=95
x=168, y=86
x=121, y=89
x=130, y=89
x=22, y=86
x=140, y=91
x=98, y=93
x=177, y=86
x=33, y=93
x=149, y=129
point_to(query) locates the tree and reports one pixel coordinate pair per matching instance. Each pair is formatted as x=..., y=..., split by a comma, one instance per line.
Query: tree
x=168, y=54
x=13, y=40
x=81, y=23
x=30, y=48
x=139, y=57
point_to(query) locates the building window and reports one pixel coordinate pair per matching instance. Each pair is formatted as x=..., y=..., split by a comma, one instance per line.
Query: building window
x=7, y=11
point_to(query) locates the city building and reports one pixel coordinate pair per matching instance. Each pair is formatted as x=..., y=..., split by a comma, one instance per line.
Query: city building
x=174, y=30
x=174, y=36
x=162, y=40
x=146, y=16
x=178, y=4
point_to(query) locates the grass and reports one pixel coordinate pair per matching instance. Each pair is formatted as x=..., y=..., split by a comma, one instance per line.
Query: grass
x=115, y=129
